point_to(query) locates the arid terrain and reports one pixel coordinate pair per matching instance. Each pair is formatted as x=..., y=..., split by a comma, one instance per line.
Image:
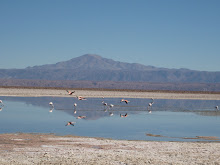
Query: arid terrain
x=19, y=148
x=51, y=149
x=61, y=92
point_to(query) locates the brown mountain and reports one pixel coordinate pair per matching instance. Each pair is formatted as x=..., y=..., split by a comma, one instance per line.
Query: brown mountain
x=95, y=68
x=94, y=62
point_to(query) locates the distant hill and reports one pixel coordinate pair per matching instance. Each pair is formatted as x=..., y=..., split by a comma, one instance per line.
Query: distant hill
x=95, y=68
x=93, y=62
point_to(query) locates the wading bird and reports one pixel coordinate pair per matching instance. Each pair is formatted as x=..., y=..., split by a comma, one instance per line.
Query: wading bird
x=150, y=105
x=69, y=92
x=70, y=123
x=216, y=107
x=103, y=103
x=51, y=104
x=125, y=115
x=126, y=101
x=111, y=105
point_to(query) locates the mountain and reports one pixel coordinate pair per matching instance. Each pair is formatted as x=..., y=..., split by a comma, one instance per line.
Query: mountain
x=93, y=62
x=95, y=68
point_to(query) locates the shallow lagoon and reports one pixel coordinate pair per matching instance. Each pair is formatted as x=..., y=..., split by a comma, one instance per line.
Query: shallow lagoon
x=170, y=120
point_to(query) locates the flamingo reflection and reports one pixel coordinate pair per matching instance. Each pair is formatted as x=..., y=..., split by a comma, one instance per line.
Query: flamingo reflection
x=111, y=114
x=1, y=102
x=81, y=98
x=81, y=117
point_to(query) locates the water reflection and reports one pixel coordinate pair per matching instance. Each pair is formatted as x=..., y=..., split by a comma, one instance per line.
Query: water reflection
x=1, y=105
x=170, y=120
x=95, y=105
x=95, y=108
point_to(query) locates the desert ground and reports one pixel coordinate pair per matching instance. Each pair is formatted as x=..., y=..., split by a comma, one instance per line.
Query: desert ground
x=19, y=148
x=51, y=149
x=56, y=92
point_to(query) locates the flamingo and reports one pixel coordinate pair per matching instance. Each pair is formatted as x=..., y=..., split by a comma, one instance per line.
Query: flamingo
x=125, y=115
x=105, y=104
x=151, y=103
x=70, y=123
x=69, y=92
x=111, y=105
x=126, y=101
x=51, y=104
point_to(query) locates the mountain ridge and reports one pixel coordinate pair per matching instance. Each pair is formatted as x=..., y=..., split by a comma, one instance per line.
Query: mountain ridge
x=96, y=68
x=94, y=62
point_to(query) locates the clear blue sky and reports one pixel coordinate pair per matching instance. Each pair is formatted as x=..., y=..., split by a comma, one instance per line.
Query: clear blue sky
x=162, y=33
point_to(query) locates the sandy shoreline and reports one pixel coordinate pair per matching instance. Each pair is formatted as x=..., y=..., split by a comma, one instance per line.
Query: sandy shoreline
x=51, y=149
x=28, y=92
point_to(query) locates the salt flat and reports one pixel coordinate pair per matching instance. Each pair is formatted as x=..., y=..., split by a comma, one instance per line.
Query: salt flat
x=35, y=92
x=50, y=149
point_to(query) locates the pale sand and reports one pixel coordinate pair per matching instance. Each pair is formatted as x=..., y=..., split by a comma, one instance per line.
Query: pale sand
x=51, y=149
x=26, y=92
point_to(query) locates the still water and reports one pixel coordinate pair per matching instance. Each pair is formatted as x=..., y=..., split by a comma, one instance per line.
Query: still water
x=169, y=120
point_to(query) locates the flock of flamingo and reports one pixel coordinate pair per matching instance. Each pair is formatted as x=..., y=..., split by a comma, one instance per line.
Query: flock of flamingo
x=106, y=105
x=75, y=105
x=103, y=103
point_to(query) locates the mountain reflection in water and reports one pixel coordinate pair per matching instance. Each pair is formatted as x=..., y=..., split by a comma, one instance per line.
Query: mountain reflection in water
x=94, y=109
x=185, y=119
